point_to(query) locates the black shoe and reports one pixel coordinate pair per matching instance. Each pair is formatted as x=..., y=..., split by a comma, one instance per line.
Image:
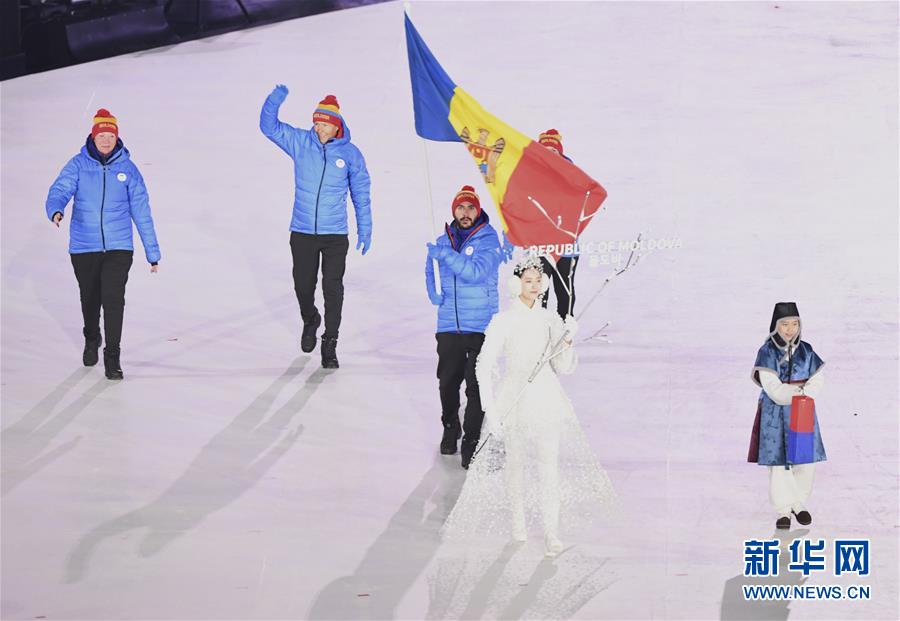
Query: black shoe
x=308, y=338
x=111, y=362
x=783, y=523
x=448, y=442
x=91, y=349
x=467, y=450
x=803, y=517
x=329, y=353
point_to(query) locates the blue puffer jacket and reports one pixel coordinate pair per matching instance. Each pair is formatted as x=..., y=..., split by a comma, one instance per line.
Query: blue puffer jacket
x=107, y=198
x=322, y=176
x=468, y=270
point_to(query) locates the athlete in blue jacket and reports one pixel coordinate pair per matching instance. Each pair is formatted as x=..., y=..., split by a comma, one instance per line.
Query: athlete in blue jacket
x=109, y=194
x=326, y=166
x=468, y=256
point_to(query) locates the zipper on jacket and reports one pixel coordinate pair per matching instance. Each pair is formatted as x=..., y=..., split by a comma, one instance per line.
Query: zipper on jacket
x=102, y=203
x=321, y=179
x=456, y=304
x=463, y=245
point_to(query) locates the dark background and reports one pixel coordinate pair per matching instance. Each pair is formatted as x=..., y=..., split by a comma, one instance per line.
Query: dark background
x=37, y=35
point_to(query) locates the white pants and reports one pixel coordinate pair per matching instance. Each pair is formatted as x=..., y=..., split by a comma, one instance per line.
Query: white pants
x=789, y=489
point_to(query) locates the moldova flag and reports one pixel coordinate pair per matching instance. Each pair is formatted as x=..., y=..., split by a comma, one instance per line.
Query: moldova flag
x=543, y=199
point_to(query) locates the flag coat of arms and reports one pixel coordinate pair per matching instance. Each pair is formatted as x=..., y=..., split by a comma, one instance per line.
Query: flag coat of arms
x=543, y=199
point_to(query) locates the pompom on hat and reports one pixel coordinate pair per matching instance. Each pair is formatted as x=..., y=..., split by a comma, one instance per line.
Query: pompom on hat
x=329, y=111
x=551, y=138
x=466, y=195
x=104, y=122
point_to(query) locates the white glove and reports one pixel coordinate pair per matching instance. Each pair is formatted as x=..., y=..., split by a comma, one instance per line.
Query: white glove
x=571, y=326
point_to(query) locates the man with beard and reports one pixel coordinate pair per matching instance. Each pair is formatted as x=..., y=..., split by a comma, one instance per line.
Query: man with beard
x=468, y=257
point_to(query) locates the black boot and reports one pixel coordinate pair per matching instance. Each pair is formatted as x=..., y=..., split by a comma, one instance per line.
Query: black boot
x=467, y=450
x=329, y=353
x=783, y=523
x=111, y=362
x=90, y=356
x=308, y=338
x=448, y=442
x=803, y=517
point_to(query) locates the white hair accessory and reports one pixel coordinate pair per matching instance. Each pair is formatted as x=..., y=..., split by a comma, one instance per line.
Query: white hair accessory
x=530, y=262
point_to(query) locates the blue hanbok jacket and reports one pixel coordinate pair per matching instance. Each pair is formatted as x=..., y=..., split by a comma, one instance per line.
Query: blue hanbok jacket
x=768, y=443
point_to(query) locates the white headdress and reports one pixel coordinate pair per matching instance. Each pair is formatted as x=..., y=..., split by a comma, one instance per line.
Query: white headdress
x=530, y=262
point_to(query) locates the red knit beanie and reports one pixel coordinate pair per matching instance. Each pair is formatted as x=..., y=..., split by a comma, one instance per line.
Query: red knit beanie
x=329, y=111
x=466, y=195
x=551, y=138
x=104, y=122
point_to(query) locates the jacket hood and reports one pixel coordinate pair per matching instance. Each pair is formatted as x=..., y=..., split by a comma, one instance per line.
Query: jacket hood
x=119, y=152
x=459, y=236
x=334, y=141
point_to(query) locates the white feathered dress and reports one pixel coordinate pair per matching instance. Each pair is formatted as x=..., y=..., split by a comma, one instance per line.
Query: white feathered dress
x=535, y=465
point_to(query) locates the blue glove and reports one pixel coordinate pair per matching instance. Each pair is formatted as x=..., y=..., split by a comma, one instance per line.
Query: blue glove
x=364, y=242
x=507, y=249
x=435, y=251
x=279, y=94
x=436, y=297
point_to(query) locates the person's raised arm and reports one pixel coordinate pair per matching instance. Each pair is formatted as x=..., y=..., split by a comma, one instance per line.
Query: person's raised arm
x=278, y=132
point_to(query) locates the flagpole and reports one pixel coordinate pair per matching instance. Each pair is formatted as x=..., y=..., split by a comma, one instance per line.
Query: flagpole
x=437, y=267
x=428, y=195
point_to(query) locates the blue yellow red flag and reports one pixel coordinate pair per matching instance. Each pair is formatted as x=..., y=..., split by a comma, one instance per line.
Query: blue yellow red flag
x=542, y=198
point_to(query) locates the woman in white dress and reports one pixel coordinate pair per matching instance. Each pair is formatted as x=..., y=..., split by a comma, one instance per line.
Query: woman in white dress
x=534, y=463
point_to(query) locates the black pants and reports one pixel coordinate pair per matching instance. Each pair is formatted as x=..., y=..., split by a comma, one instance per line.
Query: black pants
x=566, y=268
x=456, y=362
x=305, y=249
x=101, y=282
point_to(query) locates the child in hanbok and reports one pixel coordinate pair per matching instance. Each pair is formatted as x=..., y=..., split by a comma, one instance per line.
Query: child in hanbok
x=785, y=367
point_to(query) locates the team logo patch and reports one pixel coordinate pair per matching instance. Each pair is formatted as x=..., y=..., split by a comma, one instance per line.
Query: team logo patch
x=340, y=163
x=121, y=176
x=470, y=250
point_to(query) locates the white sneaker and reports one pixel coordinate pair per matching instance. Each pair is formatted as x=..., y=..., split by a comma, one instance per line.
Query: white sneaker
x=553, y=544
